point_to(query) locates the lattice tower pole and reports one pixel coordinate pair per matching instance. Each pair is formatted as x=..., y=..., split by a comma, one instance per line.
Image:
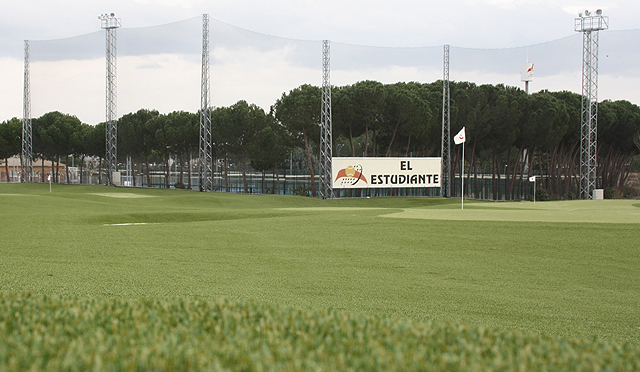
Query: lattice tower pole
x=206, y=151
x=446, y=129
x=589, y=25
x=326, y=140
x=27, y=133
x=110, y=23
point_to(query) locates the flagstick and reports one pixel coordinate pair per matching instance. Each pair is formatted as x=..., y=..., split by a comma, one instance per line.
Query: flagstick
x=534, y=190
x=461, y=138
x=462, y=179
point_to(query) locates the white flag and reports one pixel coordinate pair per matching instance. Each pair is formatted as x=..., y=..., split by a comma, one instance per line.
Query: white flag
x=461, y=137
x=49, y=178
x=532, y=179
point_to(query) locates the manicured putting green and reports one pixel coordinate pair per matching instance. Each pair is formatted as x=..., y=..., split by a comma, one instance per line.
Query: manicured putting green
x=579, y=211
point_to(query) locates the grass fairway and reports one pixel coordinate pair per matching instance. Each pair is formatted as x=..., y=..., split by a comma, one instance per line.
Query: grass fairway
x=554, y=269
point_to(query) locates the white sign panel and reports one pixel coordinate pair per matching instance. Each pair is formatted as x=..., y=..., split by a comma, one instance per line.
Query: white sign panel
x=356, y=173
x=527, y=71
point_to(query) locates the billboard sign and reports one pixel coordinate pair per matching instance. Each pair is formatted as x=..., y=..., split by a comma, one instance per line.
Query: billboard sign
x=527, y=72
x=357, y=173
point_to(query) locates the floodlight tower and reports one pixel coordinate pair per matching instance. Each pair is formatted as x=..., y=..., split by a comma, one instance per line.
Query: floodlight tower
x=445, y=187
x=326, y=140
x=206, y=158
x=110, y=23
x=589, y=25
x=27, y=138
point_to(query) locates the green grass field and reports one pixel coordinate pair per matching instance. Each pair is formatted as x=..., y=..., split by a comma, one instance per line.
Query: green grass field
x=548, y=272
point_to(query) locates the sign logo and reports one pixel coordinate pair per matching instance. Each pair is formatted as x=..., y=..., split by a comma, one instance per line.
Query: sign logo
x=351, y=175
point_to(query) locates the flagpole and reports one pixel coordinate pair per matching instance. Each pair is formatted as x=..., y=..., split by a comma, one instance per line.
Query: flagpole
x=461, y=138
x=533, y=179
x=534, y=190
x=462, y=179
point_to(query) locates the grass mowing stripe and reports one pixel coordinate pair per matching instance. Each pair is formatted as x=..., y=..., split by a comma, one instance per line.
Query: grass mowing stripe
x=182, y=217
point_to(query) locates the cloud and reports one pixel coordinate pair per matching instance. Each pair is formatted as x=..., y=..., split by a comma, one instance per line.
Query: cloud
x=11, y=92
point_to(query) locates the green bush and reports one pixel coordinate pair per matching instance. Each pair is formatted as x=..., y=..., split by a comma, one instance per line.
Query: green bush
x=609, y=193
x=302, y=191
x=179, y=185
x=542, y=195
x=629, y=192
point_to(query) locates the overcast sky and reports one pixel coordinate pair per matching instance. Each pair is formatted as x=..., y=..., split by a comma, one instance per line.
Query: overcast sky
x=488, y=24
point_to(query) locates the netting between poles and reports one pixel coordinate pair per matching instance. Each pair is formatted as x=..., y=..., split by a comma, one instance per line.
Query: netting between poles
x=159, y=67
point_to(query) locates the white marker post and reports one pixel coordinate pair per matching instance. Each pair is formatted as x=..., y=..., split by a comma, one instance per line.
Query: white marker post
x=533, y=179
x=461, y=138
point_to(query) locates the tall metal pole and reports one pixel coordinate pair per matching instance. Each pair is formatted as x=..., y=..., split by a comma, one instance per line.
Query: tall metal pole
x=445, y=185
x=27, y=137
x=589, y=25
x=110, y=23
x=206, y=149
x=326, y=136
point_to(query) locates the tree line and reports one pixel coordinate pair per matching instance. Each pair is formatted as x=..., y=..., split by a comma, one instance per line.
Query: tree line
x=511, y=134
